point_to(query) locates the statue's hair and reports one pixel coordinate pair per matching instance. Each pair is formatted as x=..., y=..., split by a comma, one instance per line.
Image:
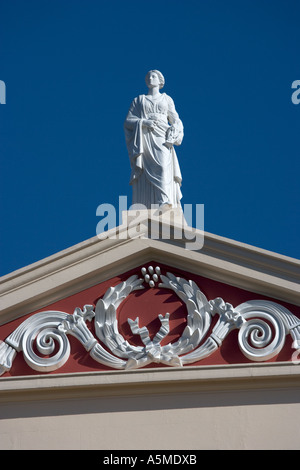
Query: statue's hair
x=160, y=77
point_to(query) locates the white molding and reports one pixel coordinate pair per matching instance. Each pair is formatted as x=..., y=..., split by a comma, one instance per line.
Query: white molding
x=151, y=381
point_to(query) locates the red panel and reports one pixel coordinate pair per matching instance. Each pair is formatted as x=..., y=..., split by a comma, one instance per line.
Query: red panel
x=147, y=304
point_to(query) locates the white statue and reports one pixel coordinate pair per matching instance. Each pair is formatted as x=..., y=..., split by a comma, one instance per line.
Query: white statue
x=152, y=128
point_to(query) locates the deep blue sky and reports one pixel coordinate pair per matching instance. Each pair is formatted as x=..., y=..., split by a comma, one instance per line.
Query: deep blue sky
x=71, y=69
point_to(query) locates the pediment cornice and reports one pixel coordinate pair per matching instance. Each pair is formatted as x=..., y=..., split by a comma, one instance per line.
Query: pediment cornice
x=97, y=260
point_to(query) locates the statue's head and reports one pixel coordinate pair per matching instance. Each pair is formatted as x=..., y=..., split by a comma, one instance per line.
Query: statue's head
x=159, y=75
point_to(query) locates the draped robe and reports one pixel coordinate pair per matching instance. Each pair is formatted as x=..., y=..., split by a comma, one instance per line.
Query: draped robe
x=155, y=172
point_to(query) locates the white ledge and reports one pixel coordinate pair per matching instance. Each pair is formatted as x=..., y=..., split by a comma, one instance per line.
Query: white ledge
x=195, y=379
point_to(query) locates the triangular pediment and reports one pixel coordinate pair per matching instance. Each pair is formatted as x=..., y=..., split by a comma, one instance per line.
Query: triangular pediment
x=119, y=302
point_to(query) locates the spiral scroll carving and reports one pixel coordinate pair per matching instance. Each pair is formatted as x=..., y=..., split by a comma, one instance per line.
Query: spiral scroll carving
x=44, y=336
x=263, y=333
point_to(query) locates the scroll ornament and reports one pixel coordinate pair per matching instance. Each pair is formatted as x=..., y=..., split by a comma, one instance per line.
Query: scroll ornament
x=43, y=337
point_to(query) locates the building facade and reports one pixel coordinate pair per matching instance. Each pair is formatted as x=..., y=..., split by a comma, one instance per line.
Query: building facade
x=136, y=342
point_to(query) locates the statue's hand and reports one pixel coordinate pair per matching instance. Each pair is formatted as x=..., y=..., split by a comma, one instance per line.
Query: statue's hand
x=149, y=124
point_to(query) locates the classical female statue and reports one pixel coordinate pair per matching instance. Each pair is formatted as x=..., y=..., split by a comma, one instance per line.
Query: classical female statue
x=152, y=128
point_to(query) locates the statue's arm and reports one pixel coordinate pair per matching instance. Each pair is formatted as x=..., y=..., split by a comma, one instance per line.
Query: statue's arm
x=176, y=128
x=132, y=117
x=173, y=116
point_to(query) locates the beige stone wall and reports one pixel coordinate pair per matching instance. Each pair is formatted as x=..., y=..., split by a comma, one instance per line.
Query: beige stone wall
x=191, y=421
x=197, y=408
x=227, y=407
